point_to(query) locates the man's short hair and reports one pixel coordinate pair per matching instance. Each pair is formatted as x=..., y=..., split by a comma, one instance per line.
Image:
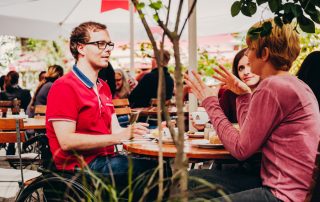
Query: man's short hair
x=166, y=57
x=283, y=44
x=81, y=34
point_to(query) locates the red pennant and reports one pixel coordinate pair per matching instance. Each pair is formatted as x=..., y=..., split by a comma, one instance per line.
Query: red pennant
x=107, y=5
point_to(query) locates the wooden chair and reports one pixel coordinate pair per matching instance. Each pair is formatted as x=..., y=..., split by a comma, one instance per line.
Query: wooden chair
x=14, y=105
x=10, y=133
x=314, y=191
x=40, y=109
x=154, y=103
x=121, y=106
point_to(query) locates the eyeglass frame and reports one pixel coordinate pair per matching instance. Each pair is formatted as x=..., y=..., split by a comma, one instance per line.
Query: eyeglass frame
x=109, y=45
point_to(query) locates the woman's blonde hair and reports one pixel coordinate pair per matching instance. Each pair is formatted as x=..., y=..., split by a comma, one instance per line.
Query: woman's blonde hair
x=124, y=91
x=283, y=44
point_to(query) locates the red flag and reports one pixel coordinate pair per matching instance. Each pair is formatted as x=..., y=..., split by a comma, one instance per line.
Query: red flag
x=107, y=5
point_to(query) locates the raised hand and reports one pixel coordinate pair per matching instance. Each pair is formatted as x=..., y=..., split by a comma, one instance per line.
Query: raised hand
x=230, y=81
x=198, y=87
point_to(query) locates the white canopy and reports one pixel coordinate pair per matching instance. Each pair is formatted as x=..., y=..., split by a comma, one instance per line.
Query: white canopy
x=49, y=19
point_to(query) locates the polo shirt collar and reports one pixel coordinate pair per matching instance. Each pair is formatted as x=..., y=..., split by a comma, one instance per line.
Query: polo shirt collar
x=85, y=80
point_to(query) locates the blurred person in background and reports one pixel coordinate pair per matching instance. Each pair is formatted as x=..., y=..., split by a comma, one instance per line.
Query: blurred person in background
x=2, y=83
x=41, y=76
x=14, y=91
x=124, y=84
x=108, y=75
x=310, y=73
x=42, y=91
x=147, y=88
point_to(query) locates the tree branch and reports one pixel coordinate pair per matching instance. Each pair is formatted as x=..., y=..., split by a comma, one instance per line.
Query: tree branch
x=178, y=17
x=189, y=14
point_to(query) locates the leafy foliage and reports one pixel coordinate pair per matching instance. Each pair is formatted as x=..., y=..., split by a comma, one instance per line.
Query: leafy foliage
x=309, y=43
x=306, y=12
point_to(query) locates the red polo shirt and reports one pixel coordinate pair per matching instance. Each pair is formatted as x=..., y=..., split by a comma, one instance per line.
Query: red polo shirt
x=72, y=98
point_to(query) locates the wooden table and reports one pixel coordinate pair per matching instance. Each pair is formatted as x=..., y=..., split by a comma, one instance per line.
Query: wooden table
x=34, y=123
x=149, y=111
x=151, y=148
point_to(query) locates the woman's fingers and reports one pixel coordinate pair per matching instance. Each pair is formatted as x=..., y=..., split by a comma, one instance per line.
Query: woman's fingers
x=193, y=85
x=221, y=73
x=198, y=78
x=223, y=80
x=225, y=70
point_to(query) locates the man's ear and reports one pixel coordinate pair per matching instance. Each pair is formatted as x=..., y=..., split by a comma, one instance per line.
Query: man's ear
x=80, y=48
x=265, y=54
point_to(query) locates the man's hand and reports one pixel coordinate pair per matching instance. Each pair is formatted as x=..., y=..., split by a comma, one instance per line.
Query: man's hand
x=132, y=131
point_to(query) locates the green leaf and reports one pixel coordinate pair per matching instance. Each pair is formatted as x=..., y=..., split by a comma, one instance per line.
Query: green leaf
x=259, y=2
x=287, y=7
x=141, y=15
x=252, y=8
x=274, y=5
x=140, y=6
x=315, y=17
x=156, y=17
x=287, y=18
x=278, y=21
x=306, y=24
x=235, y=8
x=245, y=10
x=254, y=32
x=156, y=5
x=266, y=29
x=296, y=10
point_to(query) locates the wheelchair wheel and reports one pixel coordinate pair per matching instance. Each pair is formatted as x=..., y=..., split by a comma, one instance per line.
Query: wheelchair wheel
x=55, y=188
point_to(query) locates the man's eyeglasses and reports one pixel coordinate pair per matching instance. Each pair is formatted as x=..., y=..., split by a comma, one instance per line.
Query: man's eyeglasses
x=102, y=45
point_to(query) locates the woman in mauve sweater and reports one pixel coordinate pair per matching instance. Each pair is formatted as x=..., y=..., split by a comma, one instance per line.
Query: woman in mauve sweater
x=280, y=118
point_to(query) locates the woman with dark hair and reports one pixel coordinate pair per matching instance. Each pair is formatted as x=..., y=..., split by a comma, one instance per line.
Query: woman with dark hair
x=41, y=93
x=242, y=70
x=227, y=100
x=310, y=72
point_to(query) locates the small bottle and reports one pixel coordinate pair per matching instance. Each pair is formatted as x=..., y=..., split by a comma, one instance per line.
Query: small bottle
x=9, y=113
x=1, y=113
x=22, y=113
x=207, y=129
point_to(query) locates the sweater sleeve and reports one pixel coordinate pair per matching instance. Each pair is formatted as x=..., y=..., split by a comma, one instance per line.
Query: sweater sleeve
x=242, y=107
x=259, y=120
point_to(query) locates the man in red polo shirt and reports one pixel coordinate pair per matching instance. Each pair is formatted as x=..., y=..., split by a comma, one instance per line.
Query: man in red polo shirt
x=82, y=127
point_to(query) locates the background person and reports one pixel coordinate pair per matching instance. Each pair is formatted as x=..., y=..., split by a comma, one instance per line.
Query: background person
x=279, y=117
x=41, y=93
x=123, y=87
x=147, y=88
x=309, y=72
x=14, y=91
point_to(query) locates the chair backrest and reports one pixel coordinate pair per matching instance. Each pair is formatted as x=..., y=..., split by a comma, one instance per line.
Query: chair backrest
x=13, y=104
x=154, y=102
x=314, y=191
x=40, y=109
x=121, y=106
x=10, y=133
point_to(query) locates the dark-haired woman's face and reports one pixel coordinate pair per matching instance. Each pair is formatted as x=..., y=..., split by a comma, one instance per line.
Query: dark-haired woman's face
x=245, y=74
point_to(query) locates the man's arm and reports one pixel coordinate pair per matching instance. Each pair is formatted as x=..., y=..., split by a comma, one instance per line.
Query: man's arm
x=70, y=140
